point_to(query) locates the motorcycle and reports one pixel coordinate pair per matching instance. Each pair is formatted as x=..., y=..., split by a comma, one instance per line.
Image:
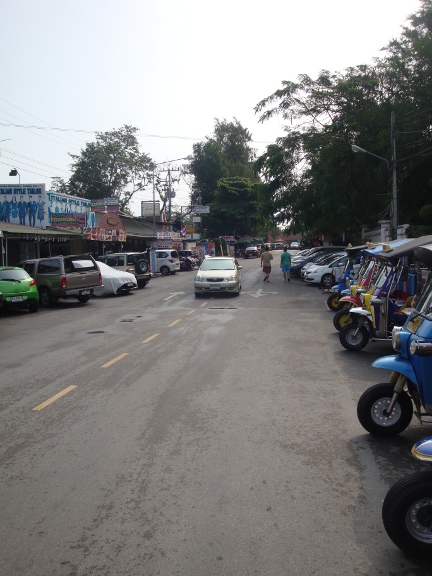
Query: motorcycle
x=407, y=507
x=383, y=308
x=187, y=263
x=386, y=409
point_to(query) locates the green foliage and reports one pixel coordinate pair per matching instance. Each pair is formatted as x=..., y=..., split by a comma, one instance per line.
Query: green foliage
x=113, y=166
x=224, y=179
x=313, y=180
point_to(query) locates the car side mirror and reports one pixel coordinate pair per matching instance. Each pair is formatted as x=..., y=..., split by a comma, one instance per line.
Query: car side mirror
x=239, y=267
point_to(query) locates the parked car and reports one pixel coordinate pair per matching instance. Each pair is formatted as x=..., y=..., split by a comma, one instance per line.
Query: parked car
x=295, y=245
x=326, y=273
x=58, y=277
x=218, y=274
x=278, y=246
x=167, y=262
x=18, y=289
x=135, y=263
x=115, y=281
x=300, y=259
x=252, y=252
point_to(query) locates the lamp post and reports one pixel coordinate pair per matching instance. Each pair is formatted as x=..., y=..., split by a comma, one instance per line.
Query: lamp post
x=392, y=170
x=14, y=172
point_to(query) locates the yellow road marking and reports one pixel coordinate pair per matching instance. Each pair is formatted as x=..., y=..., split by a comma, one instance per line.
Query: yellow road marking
x=115, y=360
x=203, y=304
x=174, y=323
x=54, y=398
x=150, y=338
x=190, y=312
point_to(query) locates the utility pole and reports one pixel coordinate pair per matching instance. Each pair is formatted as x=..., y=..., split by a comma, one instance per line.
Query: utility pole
x=394, y=181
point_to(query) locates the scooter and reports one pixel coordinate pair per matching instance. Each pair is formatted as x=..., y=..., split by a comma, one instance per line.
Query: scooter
x=387, y=409
x=407, y=507
x=383, y=309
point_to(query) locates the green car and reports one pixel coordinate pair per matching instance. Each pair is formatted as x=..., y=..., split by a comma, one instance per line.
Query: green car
x=18, y=289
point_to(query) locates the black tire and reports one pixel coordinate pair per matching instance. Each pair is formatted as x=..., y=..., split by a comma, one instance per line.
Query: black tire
x=407, y=514
x=164, y=270
x=45, y=299
x=372, y=404
x=197, y=294
x=327, y=280
x=354, y=337
x=141, y=267
x=33, y=307
x=83, y=299
x=333, y=301
x=341, y=319
x=344, y=305
x=142, y=283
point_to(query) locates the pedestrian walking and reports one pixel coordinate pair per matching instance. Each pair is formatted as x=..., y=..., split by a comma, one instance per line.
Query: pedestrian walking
x=266, y=258
x=285, y=264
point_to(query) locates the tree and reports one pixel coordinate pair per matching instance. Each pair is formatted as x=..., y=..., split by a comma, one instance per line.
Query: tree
x=227, y=153
x=313, y=179
x=233, y=208
x=113, y=166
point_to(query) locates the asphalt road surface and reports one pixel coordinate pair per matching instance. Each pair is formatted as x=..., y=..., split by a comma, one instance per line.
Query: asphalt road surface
x=163, y=434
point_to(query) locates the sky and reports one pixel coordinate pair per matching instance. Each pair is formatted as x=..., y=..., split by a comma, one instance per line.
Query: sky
x=71, y=68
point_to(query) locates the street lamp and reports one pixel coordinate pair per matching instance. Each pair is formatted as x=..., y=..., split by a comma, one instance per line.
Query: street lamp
x=392, y=169
x=14, y=172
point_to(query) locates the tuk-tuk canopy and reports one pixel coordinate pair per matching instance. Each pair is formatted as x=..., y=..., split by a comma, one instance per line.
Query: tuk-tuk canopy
x=424, y=254
x=404, y=249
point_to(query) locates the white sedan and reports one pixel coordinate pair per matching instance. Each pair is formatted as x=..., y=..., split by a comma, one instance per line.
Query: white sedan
x=115, y=281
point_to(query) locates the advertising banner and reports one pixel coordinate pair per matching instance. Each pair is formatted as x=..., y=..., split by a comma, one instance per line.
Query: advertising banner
x=24, y=204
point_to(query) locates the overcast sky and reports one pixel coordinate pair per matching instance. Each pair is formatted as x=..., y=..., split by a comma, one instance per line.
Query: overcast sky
x=167, y=67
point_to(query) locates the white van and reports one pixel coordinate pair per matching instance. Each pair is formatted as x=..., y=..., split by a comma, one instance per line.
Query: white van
x=167, y=261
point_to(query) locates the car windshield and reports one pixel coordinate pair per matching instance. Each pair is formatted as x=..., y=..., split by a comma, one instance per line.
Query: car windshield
x=12, y=275
x=215, y=264
x=328, y=258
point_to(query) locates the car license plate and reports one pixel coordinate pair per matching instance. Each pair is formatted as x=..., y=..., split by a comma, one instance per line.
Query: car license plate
x=214, y=287
x=16, y=299
x=84, y=292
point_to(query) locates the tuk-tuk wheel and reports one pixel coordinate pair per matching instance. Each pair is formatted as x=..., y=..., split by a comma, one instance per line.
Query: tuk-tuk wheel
x=354, y=337
x=372, y=406
x=407, y=514
x=333, y=301
x=341, y=319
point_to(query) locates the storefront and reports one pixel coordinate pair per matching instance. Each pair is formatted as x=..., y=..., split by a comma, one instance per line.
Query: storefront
x=19, y=242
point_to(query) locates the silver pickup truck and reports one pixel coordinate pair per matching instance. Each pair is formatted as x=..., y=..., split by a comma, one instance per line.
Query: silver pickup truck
x=64, y=277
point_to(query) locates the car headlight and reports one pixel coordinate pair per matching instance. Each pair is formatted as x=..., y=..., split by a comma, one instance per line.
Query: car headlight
x=230, y=278
x=199, y=278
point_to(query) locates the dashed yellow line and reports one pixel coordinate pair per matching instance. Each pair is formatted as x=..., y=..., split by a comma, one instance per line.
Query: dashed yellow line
x=174, y=323
x=150, y=338
x=203, y=304
x=115, y=360
x=54, y=398
x=190, y=312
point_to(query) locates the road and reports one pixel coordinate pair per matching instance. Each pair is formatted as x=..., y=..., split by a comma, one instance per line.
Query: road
x=163, y=434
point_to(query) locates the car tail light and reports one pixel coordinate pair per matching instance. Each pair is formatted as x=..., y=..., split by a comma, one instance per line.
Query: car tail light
x=171, y=260
x=32, y=282
x=100, y=279
x=63, y=283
